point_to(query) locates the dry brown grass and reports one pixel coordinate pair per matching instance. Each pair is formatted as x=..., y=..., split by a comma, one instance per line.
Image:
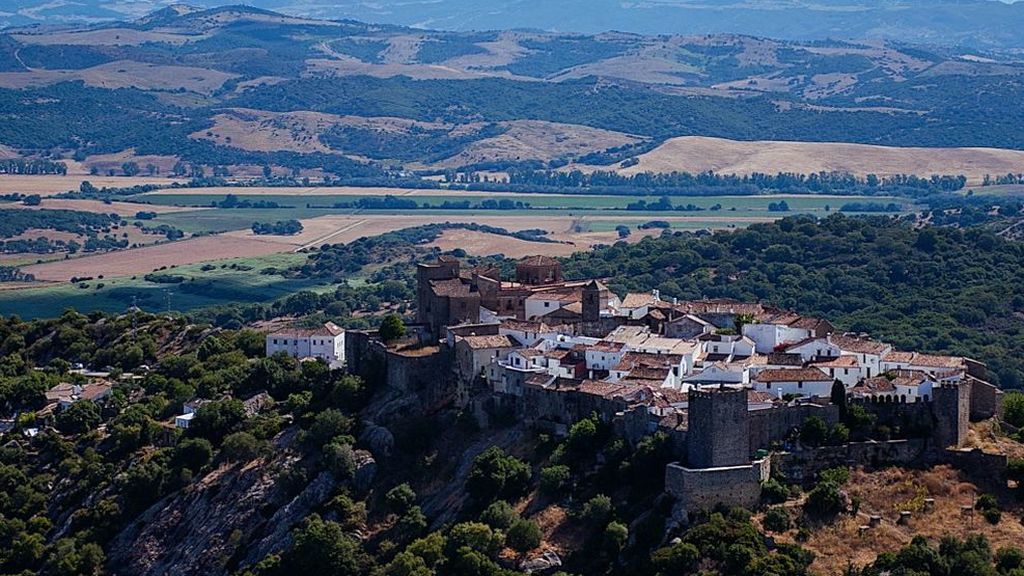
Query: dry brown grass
x=538, y=140
x=50, y=185
x=146, y=259
x=104, y=37
x=698, y=154
x=483, y=244
x=124, y=74
x=885, y=492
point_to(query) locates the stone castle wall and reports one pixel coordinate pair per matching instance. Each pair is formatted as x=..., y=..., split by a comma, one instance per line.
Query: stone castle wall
x=703, y=489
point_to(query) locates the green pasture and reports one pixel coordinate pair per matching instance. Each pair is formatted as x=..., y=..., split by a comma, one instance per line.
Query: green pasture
x=229, y=281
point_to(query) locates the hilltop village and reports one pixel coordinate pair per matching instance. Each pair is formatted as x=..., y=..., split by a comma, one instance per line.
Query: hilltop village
x=731, y=383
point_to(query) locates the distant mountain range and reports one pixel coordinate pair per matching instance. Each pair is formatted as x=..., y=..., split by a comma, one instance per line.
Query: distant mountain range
x=983, y=24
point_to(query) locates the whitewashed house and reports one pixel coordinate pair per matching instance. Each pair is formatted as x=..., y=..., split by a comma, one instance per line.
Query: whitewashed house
x=810, y=382
x=325, y=342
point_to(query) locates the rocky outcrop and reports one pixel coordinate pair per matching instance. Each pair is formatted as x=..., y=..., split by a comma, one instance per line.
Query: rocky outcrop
x=542, y=564
x=201, y=530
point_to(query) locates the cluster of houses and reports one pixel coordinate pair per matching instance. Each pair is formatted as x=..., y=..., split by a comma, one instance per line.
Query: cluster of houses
x=679, y=347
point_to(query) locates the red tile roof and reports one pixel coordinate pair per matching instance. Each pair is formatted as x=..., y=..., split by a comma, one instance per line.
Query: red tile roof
x=792, y=375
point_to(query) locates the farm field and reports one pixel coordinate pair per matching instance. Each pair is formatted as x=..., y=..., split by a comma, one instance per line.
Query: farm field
x=696, y=154
x=127, y=209
x=332, y=229
x=48, y=185
x=1000, y=190
x=137, y=261
x=569, y=201
x=233, y=280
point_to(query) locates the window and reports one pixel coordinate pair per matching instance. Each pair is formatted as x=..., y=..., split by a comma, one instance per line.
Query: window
x=547, y=304
x=799, y=384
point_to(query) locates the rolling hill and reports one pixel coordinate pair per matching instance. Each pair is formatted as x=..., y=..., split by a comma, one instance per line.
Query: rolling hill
x=976, y=23
x=241, y=88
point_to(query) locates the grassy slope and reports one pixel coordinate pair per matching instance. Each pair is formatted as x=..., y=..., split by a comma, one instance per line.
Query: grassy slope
x=228, y=286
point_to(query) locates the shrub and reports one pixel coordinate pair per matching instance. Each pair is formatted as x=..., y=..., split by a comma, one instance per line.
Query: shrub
x=776, y=520
x=391, y=328
x=400, y=498
x=814, y=431
x=773, y=492
x=80, y=417
x=499, y=515
x=193, y=453
x=495, y=474
x=616, y=534
x=523, y=535
x=340, y=459
x=554, y=479
x=597, y=511
x=240, y=447
x=679, y=558
x=824, y=501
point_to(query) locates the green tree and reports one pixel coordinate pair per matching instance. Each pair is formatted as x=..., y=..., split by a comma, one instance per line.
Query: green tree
x=523, y=536
x=82, y=416
x=776, y=520
x=391, y=328
x=681, y=558
x=193, y=453
x=499, y=515
x=554, y=479
x=241, y=447
x=495, y=474
x=598, y=511
x=814, y=431
x=616, y=534
x=322, y=547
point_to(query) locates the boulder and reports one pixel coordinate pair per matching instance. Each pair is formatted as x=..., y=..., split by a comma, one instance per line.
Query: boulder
x=547, y=561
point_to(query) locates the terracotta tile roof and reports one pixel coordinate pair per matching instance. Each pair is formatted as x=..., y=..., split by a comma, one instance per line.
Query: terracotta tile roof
x=792, y=375
x=785, y=359
x=807, y=323
x=601, y=388
x=557, y=295
x=719, y=306
x=538, y=261
x=633, y=360
x=754, y=396
x=327, y=329
x=874, y=385
x=648, y=373
x=529, y=352
x=452, y=287
x=858, y=345
x=638, y=300
x=691, y=318
x=606, y=346
x=485, y=342
x=927, y=360
x=95, y=391
x=838, y=362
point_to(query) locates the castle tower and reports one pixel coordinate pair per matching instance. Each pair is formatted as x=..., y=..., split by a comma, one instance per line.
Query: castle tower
x=445, y=268
x=538, y=270
x=951, y=405
x=592, y=302
x=719, y=429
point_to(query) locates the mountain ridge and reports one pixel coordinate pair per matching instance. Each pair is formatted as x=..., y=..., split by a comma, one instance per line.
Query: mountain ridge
x=982, y=24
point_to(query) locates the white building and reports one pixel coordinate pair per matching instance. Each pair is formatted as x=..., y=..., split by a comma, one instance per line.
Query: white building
x=326, y=342
x=794, y=381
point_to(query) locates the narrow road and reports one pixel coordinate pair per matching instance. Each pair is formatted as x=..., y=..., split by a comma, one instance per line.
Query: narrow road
x=324, y=239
